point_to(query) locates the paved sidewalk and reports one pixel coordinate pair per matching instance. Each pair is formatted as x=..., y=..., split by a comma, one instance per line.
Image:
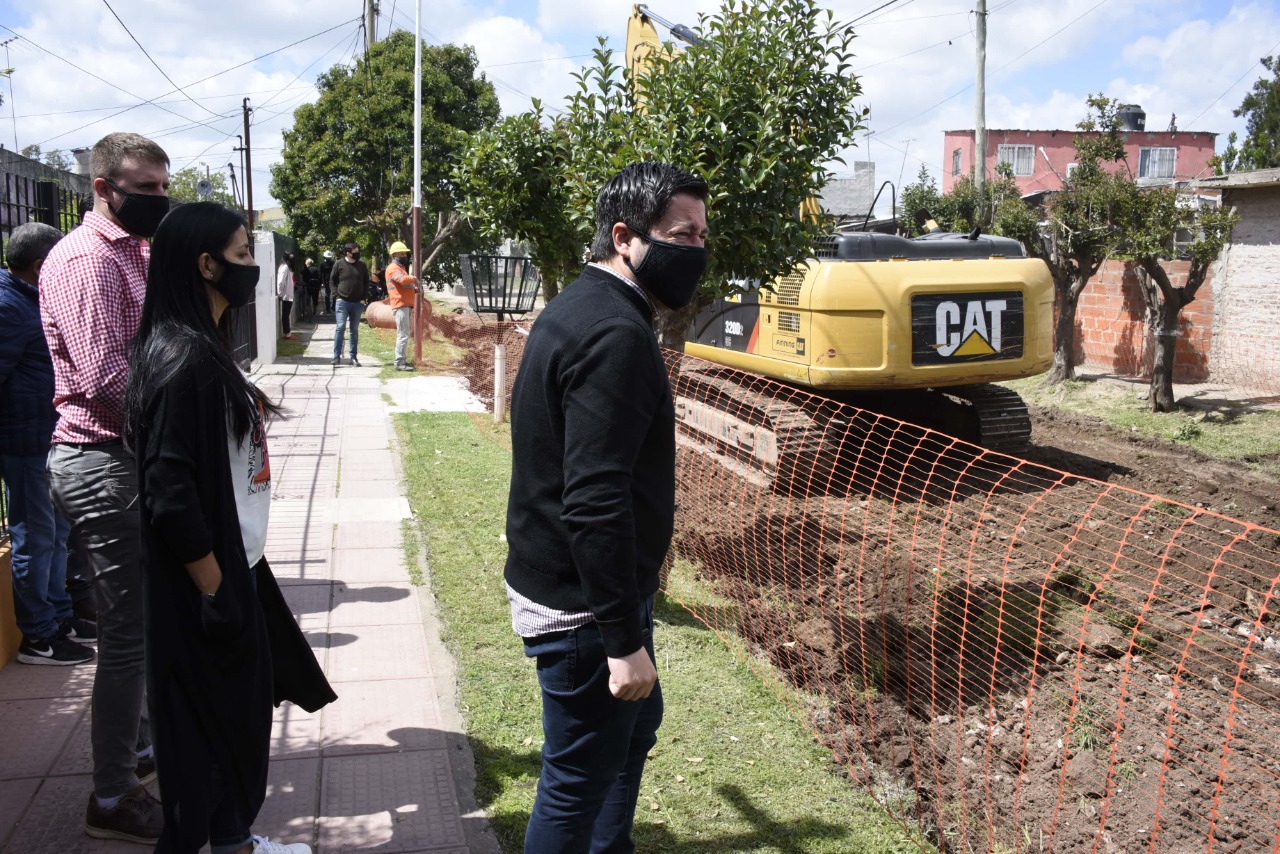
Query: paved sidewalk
x=386, y=767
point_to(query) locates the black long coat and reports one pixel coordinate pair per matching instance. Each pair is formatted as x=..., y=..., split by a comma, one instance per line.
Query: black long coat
x=210, y=700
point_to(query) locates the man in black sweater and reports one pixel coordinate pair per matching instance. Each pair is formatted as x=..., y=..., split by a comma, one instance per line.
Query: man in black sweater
x=592, y=504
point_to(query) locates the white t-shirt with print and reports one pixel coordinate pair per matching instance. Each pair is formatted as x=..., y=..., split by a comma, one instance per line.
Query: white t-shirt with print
x=251, y=481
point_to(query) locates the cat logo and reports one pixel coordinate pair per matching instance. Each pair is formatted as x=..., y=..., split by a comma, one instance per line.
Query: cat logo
x=969, y=330
x=972, y=327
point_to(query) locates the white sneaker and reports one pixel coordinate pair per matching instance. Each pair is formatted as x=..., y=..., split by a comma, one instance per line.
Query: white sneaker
x=262, y=845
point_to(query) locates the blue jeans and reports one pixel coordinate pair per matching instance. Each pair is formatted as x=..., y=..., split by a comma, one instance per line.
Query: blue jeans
x=39, y=539
x=347, y=313
x=594, y=746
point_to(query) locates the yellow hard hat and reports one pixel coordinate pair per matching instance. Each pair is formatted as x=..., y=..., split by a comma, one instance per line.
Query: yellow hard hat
x=398, y=247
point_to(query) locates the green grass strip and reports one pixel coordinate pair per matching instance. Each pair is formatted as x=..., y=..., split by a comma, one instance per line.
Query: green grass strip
x=732, y=770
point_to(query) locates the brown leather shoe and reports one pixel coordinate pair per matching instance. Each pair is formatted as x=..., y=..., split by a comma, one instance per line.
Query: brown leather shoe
x=137, y=818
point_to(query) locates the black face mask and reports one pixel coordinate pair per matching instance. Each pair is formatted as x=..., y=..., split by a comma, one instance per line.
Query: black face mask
x=670, y=271
x=139, y=213
x=355, y=256
x=403, y=261
x=238, y=283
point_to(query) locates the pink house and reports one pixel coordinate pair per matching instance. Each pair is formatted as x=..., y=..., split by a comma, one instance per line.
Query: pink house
x=1042, y=159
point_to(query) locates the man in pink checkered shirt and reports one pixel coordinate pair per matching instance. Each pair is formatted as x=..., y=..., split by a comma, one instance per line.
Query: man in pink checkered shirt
x=91, y=290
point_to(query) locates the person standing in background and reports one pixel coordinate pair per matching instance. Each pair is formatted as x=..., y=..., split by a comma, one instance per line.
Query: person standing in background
x=91, y=291
x=350, y=283
x=51, y=633
x=402, y=289
x=326, y=270
x=285, y=283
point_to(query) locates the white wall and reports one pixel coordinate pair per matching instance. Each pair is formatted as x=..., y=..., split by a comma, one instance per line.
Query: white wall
x=268, y=307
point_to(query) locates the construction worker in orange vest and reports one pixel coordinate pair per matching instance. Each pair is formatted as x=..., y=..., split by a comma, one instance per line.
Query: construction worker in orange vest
x=401, y=296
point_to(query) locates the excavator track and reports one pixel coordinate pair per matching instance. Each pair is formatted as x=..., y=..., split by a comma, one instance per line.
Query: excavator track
x=762, y=437
x=996, y=418
x=785, y=445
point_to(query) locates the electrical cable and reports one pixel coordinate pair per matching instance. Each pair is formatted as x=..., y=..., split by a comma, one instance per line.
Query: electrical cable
x=1233, y=85
x=163, y=73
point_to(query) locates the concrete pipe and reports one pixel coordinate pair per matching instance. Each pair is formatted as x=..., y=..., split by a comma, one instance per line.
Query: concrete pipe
x=379, y=315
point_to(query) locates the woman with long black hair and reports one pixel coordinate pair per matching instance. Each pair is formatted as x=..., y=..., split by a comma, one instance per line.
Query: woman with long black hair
x=222, y=645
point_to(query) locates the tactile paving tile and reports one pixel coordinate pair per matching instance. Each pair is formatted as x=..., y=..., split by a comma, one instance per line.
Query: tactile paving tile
x=26, y=682
x=310, y=603
x=365, y=535
x=385, y=604
x=295, y=732
x=293, y=796
x=387, y=715
x=35, y=732
x=366, y=566
x=389, y=802
x=370, y=487
x=378, y=652
x=54, y=822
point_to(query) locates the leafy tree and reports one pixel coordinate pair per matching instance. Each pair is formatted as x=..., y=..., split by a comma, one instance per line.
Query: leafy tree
x=511, y=178
x=1082, y=231
x=347, y=164
x=958, y=210
x=1229, y=159
x=1261, y=146
x=182, y=186
x=1152, y=218
x=53, y=157
x=757, y=108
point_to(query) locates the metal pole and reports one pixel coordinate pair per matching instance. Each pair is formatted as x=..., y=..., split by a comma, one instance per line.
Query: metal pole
x=499, y=379
x=13, y=108
x=418, y=315
x=980, y=115
x=248, y=171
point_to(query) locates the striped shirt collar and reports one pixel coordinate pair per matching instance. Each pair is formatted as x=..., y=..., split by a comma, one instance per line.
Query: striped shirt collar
x=653, y=310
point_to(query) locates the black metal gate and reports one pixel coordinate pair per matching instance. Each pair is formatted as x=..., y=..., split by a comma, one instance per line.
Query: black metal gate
x=24, y=199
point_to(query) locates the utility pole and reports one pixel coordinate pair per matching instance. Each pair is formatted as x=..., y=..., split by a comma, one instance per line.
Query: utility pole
x=235, y=187
x=370, y=25
x=980, y=116
x=13, y=109
x=418, y=307
x=248, y=171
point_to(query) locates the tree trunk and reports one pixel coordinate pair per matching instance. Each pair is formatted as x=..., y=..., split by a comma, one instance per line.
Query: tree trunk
x=1161, y=398
x=550, y=288
x=1064, y=338
x=673, y=326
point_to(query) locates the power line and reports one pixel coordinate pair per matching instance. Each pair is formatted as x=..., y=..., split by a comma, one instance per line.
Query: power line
x=163, y=73
x=877, y=9
x=1233, y=85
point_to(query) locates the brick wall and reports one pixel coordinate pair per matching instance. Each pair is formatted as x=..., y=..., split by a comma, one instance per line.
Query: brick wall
x=1111, y=328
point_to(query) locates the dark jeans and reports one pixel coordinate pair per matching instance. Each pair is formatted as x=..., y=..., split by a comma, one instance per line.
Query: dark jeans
x=79, y=578
x=38, y=534
x=594, y=746
x=96, y=488
x=286, y=306
x=347, y=315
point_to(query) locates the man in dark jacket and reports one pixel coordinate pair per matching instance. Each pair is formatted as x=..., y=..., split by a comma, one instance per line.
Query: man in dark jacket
x=350, y=284
x=50, y=630
x=326, y=270
x=592, y=504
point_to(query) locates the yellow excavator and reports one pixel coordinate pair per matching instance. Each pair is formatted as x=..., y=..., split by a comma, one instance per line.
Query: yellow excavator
x=916, y=328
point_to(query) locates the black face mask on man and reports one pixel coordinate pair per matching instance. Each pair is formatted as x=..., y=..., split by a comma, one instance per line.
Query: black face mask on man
x=237, y=283
x=139, y=213
x=669, y=271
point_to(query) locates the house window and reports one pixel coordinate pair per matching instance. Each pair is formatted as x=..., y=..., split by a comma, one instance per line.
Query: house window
x=1071, y=169
x=955, y=162
x=1157, y=162
x=1021, y=157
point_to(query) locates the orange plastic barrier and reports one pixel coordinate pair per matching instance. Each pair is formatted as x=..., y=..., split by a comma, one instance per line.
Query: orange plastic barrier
x=1009, y=657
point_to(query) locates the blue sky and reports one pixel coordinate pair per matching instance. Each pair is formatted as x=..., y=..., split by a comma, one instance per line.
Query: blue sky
x=1192, y=58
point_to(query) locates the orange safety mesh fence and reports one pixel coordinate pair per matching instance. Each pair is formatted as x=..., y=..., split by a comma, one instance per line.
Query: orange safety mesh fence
x=1010, y=657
